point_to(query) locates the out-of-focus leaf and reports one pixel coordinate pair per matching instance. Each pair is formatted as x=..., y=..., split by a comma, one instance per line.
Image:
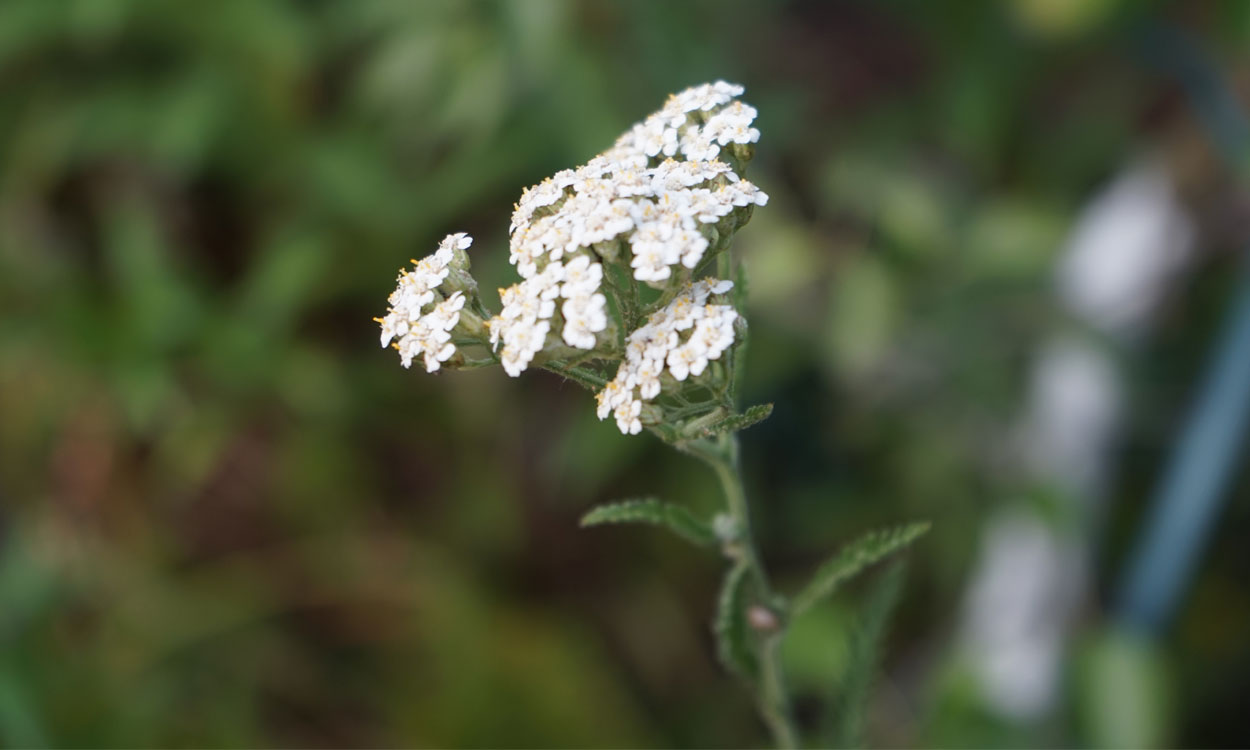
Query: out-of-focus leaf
x=855, y=684
x=1063, y=18
x=19, y=721
x=733, y=638
x=1013, y=239
x=853, y=559
x=158, y=306
x=1125, y=701
x=865, y=313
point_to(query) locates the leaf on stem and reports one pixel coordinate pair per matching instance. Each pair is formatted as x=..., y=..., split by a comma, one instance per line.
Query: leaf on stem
x=854, y=558
x=737, y=422
x=650, y=510
x=733, y=637
x=856, y=684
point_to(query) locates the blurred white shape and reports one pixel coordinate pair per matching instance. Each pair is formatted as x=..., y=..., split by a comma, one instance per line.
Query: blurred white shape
x=1074, y=406
x=1017, y=610
x=1127, y=245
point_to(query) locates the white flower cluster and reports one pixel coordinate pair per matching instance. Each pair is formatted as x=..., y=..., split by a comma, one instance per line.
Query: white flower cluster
x=697, y=122
x=422, y=324
x=664, y=208
x=682, y=338
x=655, y=206
x=530, y=306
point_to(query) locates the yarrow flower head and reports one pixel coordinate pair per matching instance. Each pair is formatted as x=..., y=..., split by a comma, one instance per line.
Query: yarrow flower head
x=606, y=254
x=423, y=313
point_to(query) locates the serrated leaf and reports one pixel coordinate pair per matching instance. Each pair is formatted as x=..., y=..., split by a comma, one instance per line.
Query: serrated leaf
x=733, y=638
x=736, y=422
x=855, y=687
x=853, y=559
x=650, y=510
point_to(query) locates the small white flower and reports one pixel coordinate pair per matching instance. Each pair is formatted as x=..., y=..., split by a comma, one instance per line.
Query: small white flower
x=393, y=325
x=627, y=417
x=546, y=284
x=696, y=145
x=649, y=261
x=457, y=241
x=648, y=377
x=733, y=125
x=433, y=359
x=612, y=396
x=409, y=346
x=522, y=340
x=684, y=361
x=446, y=314
x=711, y=337
x=706, y=97
x=584, y=316
x=543, y=194
x=685, y=313
x=654, y=136
x=693, y=245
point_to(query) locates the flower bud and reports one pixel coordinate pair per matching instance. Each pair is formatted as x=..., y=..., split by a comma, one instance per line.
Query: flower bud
x=460, y=259
x=725, y=528
x=762, y=619
x=459, y=280
x=609, y=250
x=743, y=152
x=471, y=326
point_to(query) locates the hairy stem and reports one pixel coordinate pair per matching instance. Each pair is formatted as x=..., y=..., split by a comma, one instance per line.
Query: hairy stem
x=771, y=695
x=580, y=375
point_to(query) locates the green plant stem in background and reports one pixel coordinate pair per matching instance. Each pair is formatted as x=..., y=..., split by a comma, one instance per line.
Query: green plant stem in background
x=774, y=698
x=771, y=694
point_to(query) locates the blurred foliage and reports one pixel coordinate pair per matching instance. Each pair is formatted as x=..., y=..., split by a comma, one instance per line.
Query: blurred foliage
x=228, y=519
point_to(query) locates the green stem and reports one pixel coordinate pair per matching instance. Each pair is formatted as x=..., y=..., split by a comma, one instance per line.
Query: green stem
x=772, y=698
x=690, y=410
x=591, y=381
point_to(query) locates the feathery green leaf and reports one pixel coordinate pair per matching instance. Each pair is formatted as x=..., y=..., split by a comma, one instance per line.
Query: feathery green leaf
x=733, y=637
x=855, y=687
x=736, y=422
x=854, y=558
x=650, y=510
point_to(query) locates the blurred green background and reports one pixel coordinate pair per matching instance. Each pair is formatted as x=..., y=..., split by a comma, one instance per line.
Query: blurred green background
x=227, y=518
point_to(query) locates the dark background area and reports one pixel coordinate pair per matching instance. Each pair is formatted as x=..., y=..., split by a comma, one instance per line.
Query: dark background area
x=227, y=518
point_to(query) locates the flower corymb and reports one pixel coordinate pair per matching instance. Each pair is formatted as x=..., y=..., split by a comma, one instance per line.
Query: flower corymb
x=681, y=339
x=606, y=254
x=422, y=315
